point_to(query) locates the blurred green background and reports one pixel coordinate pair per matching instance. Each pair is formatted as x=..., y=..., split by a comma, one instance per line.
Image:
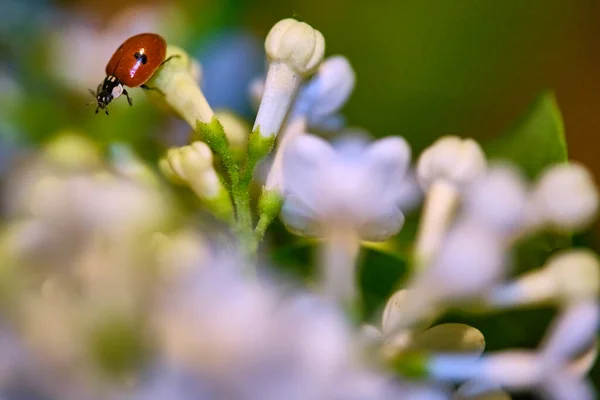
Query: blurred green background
x=424, y=68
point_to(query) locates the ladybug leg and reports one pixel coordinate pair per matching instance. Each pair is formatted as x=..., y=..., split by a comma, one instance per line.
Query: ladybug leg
x=128, y=98
x=173, y=56
x=146, y=87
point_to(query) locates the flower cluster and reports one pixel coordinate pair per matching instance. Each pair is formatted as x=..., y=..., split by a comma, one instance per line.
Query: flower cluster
x=113, y=290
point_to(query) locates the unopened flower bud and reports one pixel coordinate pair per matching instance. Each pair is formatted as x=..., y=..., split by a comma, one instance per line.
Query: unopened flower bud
x=296, y=44
x=565, y=197
x=294, y=49
x=193, y=164
x=443, y=170
x=568, y=277
x=176, y=84
x=451, y=159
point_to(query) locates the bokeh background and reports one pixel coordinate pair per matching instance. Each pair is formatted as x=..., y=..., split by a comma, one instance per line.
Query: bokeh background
x=424, y=68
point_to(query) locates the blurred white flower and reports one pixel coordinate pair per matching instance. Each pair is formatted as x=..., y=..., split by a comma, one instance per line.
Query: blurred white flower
x=419, y=336
x=549, y=370
x=565, y=197
x=444, y=169
x=354, y=185
x=345, y=193
x=568, y=277
x=499, y=199
x=246, y=340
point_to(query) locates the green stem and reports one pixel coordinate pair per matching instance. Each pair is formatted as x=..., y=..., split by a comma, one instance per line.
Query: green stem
x=261, y=227
x=243, y=228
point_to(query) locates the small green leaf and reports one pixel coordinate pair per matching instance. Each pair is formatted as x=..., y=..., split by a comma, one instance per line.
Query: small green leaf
x=537, y=140
x=534, y=143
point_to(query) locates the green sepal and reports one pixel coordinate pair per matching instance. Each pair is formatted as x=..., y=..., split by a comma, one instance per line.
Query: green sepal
x=411, y=365
x=259, y=146
x=213, y=135
x=269, y=207
x=270, y=203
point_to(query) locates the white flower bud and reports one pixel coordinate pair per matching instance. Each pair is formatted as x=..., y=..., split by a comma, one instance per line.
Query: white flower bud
x=443, y=170
x=565, y=197
x=294, y=49
x=573, y=331
x=192, y=164
x=471, y=259
x=177, y=80
x=499, y=199
x=568, y=277
x=296, y=44
x=453, y=160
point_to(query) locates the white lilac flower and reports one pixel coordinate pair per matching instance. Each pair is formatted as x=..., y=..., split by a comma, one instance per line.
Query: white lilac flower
x=246, y=340
x=568, y=277
x=294, y=50
x=548, y=370
x=565, y=197
x=498, y=199
x=319, y=99
x=443, y=170
x=346, y=194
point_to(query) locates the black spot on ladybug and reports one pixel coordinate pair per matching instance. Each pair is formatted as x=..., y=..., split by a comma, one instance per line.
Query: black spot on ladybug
x=141, y=57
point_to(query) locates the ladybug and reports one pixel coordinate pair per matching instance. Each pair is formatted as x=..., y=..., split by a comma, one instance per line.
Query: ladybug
x=134, y=62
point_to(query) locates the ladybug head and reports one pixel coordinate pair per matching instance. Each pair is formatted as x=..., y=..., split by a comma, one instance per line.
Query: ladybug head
x=107, y=92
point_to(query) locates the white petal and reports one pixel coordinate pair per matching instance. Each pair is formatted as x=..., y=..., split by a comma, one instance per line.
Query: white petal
x=329, y=89
x=513, y=369
x=299, y=218
x=305, y=162
x=381, y=223
x=582, y=365
x=480, y=390
x=499, y=199
x=389, y=159
x=470, y=260
x=562, y=386
x=566, y=196
x=574, y=330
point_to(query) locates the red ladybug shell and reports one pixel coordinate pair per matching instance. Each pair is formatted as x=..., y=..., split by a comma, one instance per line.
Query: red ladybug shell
x=137, y=59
